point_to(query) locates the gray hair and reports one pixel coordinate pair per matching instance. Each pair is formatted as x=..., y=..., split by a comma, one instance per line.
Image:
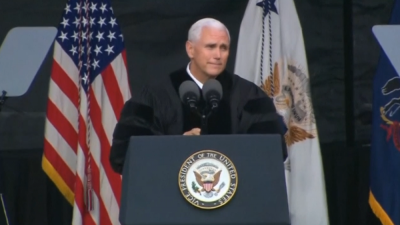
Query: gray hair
x=196, y=28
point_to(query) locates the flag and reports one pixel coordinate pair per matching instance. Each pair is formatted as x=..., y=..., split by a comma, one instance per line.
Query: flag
x=271, y=54
x=384, y=196
x=88, y=88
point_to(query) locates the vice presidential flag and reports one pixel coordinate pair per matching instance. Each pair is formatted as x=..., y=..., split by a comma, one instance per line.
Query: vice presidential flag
x=271, y=54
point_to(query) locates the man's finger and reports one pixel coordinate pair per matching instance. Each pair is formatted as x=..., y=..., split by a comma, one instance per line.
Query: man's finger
x=196, y=131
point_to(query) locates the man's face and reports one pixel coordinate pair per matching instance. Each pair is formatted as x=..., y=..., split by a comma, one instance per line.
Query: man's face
x=210, y=53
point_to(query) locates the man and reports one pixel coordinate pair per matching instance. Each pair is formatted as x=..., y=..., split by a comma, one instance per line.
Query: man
x=158, y=110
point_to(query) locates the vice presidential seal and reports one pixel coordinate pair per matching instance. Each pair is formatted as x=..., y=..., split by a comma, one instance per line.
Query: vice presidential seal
x=208, y=179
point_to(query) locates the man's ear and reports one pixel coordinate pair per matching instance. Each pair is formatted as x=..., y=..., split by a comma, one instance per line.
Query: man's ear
x=189, y=49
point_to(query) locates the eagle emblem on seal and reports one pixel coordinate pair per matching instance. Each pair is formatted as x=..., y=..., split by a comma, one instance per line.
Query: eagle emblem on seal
x=207, y=176
x=292, y=95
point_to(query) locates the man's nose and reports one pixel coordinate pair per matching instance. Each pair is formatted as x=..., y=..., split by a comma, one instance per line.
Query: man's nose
x=217, y=53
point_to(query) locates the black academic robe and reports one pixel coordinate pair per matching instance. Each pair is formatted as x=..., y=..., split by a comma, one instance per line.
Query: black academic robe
x=158, y=110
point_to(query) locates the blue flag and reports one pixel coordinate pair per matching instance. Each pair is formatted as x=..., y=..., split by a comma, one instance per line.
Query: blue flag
x=385, y=150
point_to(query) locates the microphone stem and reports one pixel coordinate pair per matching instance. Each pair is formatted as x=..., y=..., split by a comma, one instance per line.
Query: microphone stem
x=2, y=98
x=203, y=124
x=204, y=118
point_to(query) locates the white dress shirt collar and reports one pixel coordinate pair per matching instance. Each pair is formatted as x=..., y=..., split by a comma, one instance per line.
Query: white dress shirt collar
x=194, y=78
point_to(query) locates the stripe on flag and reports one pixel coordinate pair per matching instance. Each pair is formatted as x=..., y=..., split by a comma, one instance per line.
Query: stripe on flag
x=88, y=87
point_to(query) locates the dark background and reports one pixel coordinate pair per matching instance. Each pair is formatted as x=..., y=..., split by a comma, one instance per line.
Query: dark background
x=342, y=56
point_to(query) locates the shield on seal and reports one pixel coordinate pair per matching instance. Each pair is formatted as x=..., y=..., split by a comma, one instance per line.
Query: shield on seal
x=208, y=186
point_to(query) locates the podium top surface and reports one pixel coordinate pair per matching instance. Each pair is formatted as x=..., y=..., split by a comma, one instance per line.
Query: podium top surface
x=21, y=56
x=158, y=190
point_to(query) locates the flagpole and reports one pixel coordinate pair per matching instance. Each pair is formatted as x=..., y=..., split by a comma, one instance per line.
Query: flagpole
x=348, y=72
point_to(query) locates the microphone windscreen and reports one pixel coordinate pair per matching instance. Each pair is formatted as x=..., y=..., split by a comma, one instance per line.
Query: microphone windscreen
x=212, y=87
x=188, y=90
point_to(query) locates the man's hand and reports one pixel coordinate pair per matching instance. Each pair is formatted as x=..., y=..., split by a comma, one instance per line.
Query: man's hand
x=194, y=131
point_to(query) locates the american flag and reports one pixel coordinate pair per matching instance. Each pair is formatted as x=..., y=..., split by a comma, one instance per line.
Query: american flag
x=88, y=88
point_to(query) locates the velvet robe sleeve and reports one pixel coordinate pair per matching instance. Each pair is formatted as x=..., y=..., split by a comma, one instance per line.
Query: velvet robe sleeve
x=138, y=118
x=259, y=116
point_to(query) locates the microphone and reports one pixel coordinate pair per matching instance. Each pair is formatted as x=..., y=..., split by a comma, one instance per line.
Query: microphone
x=212, y=93
x=189, y=93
